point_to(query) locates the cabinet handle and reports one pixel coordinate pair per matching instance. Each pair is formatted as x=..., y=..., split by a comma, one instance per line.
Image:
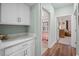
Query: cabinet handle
x=19, y=19
x=25, y=52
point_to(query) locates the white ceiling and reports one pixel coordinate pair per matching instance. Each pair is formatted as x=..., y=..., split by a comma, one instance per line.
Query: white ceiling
x=30, y=4
x=60, y=5
x=55, y=5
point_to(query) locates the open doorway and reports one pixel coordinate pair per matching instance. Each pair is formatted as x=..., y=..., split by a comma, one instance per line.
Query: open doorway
x=45, y=16
x=64, y=25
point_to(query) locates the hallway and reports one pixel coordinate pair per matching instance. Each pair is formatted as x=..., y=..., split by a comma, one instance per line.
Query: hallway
x=60, y=50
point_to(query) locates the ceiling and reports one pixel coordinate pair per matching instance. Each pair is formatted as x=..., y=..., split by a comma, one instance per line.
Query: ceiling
x=55, y=5
x=60, y=5
x=30, y=4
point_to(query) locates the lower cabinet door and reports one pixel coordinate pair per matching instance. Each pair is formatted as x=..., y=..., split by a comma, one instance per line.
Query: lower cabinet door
x=30, y=51
x=25, y=53
x=2, y=53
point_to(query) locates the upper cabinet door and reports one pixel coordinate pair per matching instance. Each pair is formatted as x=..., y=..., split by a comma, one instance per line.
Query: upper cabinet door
x=15, y=14
x=9, y=13
x=24, y=14
x=20, y=13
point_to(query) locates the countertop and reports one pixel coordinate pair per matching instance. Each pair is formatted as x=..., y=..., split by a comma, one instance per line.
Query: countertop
x=16, y=39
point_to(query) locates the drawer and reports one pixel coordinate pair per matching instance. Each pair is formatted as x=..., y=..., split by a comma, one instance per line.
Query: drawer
x=13, y=49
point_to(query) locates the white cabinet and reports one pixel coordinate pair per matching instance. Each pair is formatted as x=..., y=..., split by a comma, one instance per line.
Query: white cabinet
x=30, y=51
x=26, y=48
x=21, y=53
x=23, y=14
x=12, y=49
x=2, y=52
x=31, y=48
x=15, y=14
x=8, y=13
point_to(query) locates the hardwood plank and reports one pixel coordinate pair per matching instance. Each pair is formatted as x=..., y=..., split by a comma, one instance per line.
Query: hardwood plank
x=60, y=50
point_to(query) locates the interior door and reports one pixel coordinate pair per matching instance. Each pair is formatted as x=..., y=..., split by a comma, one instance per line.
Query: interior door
x=45, y=17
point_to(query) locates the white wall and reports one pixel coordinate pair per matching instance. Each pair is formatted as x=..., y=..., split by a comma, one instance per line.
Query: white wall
x=35, y=27
x=67, y=10
x=52, y=26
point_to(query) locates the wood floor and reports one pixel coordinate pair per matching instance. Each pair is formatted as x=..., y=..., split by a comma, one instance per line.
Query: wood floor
x=60, y=50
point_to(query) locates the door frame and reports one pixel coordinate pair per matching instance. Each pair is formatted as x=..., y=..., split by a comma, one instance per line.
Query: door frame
x=48, y=24
x=57, y=36
x=75, y=31
x=57, y=29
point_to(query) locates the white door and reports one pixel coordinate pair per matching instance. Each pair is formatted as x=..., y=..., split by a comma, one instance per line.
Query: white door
x=45, y=18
